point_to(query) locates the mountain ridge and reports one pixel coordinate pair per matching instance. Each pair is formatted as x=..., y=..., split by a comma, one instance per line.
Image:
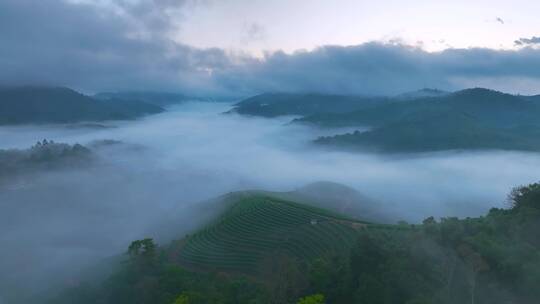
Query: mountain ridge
x=41, y=105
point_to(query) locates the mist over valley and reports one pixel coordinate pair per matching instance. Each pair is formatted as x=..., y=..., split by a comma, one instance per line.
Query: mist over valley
x=151, y=179
x=269, y=152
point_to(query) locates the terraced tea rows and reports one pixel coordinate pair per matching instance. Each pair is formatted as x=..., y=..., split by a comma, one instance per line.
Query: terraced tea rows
x=256, y=227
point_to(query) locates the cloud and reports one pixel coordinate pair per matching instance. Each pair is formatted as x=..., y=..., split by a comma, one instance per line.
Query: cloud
x=254, y=32
x=92, y=48
x=527, y=41
x=126, y=45
x=375, y=68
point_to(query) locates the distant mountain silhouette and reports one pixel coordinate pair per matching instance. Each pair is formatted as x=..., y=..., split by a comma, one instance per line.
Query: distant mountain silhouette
x=468, y=119
x=423, y=93
x=157, y=98
x=37, y=105
x=277, y=104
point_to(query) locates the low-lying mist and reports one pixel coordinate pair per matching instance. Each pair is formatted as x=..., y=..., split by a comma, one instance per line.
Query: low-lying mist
x=57, y=222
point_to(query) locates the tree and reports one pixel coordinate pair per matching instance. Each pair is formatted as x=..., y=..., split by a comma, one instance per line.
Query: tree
x=182, y=299
x=145, y=247
x=312, y=299
x=285, y=277
x=142, y=252
x=331, y=275
x=475, y=263
x=525, y=196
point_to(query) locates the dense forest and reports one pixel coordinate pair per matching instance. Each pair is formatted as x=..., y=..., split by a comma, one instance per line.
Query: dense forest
x=490, y=259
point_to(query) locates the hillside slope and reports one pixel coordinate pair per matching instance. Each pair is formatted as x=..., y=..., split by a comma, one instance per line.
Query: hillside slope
x=468, y=119
x=487, y=106
x=449, y=131
x=257, y=227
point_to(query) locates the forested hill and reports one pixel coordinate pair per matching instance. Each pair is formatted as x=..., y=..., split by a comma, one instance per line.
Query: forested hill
x=448, y=131
x=267, y=250
x=17, y=166
x=485, y=106
x=468, y=119
x=340, y=110
x=37, y=105
x=421, y=121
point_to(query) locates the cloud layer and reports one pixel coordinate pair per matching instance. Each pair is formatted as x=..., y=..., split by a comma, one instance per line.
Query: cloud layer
x=126, y=45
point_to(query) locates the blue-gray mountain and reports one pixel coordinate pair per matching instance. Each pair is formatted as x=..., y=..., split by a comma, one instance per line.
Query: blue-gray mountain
x=468, y=119
x=39, y=105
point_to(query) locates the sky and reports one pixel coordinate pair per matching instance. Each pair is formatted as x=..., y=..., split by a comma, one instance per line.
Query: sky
x=238, y=48
x=258, y=26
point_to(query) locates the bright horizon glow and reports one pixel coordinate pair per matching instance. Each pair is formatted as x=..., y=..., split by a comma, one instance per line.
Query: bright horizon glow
x=264, y=26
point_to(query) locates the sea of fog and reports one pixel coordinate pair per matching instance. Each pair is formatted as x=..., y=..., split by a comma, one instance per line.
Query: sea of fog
x=58, y=222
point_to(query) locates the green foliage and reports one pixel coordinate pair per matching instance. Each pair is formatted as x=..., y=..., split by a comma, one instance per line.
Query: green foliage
x=313, y=299
x=488, y=260
x=142, y=248
x=143, y=252
x=257, y=227
x=525, y=197
x=182, y=299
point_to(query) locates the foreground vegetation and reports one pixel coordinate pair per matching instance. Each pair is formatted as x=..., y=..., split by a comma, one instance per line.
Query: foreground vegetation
x=491, y=259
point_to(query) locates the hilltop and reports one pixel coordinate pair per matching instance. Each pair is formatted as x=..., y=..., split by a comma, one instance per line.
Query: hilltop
x=423, y=93
x=257, y=227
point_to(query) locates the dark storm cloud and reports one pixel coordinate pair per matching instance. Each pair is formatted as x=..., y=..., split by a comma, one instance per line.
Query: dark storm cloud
x=376, y=68
x=154, y=16
x=527, y=41
x=127, y=45
x=83, y=46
